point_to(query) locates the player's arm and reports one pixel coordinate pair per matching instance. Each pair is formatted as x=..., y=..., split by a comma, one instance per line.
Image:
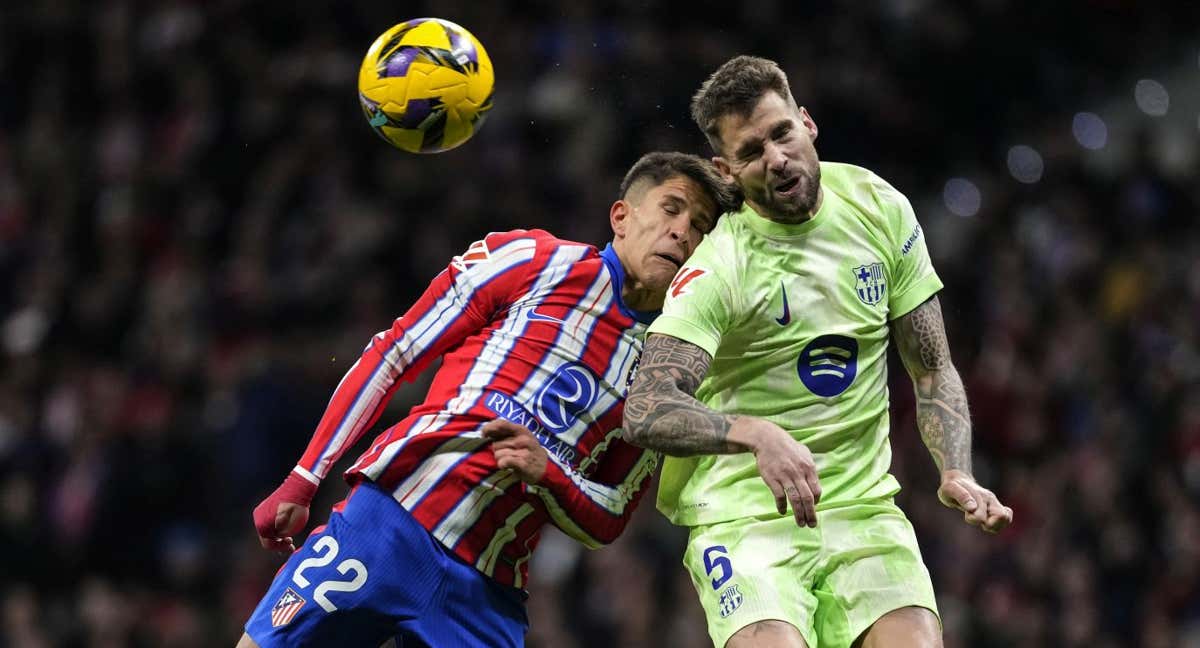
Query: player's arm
x=592, y=511
x=662, y=414
x=943, y=417
x=457, y=303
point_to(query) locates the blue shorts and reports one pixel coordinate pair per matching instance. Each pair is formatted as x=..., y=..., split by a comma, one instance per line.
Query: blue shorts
x=374, y=573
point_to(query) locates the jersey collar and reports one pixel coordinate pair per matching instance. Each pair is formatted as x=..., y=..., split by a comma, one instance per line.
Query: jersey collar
x=613, y=262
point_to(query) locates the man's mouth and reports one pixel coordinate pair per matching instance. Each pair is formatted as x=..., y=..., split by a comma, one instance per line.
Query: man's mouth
x=674, y=260
x=787, y=185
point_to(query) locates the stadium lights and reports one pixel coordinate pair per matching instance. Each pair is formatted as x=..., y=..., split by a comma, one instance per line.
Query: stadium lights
x=1151, y=97
x=962, y=197
x=1089, y=130
x=1025, y=164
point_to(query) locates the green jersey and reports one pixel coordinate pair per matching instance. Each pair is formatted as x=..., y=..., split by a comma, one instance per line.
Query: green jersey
x=795, y=318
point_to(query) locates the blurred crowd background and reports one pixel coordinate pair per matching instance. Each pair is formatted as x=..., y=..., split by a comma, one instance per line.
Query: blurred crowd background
x=199, y=233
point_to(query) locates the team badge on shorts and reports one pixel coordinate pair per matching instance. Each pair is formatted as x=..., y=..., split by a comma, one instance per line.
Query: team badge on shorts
x=286, y=607
x=731, y=599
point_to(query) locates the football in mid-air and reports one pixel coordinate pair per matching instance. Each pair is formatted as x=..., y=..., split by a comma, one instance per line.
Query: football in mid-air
x=425, y=85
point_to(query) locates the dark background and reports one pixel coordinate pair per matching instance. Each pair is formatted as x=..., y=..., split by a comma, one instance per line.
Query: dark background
x=199, y=232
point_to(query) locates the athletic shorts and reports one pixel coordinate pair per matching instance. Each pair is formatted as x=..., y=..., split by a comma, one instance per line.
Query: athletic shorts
x=374, y=573
x=832, y=582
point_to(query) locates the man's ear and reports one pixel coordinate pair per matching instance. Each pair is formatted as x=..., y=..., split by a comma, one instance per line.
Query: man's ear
x=723, y=168
x=809, y=124
x=618, y=218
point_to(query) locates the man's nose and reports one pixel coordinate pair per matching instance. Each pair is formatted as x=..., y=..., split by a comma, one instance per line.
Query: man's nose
x=679, y=228
x=776, y=160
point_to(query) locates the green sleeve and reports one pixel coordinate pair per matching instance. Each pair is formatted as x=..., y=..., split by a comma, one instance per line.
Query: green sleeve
x=912, y=277
x=699, y=304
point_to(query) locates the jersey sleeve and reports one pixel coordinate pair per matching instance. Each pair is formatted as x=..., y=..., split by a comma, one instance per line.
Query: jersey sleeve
x=700, y=303
x=459, y=302
x=595, y=511
x=912, y=277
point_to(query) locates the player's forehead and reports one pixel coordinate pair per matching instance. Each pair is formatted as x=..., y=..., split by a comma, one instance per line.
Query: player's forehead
x=737, y=129
x=687, y=192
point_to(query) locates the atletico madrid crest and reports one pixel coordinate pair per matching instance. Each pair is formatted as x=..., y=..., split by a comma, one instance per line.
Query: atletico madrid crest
x=286, y=607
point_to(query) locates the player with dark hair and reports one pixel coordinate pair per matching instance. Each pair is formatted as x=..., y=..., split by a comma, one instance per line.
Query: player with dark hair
x=539, y=338
x=769, y=363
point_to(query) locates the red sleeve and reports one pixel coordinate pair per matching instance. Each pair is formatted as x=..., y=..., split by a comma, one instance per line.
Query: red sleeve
x=459, y=302
x=595, y=512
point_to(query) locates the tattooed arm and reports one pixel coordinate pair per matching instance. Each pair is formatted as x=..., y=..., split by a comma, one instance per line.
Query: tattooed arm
x=661, y=413
x=943, y=417
x=942, y=414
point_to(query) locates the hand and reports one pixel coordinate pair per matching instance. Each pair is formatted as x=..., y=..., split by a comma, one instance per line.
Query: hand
x=788, y=468
x=516, y=449
x=284, y=513
x=979, y=505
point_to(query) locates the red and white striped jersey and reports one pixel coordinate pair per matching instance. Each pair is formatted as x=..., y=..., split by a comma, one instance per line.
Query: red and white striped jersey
x=529, y=328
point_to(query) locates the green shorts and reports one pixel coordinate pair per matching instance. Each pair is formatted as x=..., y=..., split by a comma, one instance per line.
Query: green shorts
x=832, y=582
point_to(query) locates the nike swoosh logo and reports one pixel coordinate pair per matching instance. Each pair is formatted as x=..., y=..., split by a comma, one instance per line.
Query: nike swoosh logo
x=534, y=315
x=787, y=314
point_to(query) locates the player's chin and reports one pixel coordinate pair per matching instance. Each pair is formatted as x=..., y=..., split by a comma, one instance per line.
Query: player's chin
x=659, y=279
x=796, y=203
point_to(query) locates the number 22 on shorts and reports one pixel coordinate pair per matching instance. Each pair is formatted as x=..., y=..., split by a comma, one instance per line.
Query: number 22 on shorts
x=327, y=550
x=715, y=560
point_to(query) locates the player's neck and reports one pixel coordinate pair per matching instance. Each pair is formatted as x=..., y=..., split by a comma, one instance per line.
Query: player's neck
x=785, y=218
x=635, y=294
x=639, y=297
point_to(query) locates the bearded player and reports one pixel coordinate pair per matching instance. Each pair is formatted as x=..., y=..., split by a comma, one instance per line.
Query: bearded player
x=769, y=364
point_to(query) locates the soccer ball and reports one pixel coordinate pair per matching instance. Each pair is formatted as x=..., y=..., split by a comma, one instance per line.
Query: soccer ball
x=425, y=85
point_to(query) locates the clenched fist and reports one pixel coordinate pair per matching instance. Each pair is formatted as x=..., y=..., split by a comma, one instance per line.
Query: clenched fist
x=284, y=513
x=979, y=505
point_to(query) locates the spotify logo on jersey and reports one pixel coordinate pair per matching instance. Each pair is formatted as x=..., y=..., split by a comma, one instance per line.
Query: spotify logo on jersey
x=828, y=365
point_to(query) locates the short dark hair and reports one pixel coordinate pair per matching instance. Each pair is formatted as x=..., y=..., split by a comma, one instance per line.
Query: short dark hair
x=660, y=166
x=735, y=88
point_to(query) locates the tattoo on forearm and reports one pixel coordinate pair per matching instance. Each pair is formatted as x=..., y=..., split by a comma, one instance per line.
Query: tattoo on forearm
x=944, y=419
x=661, y=413
x=943, y=416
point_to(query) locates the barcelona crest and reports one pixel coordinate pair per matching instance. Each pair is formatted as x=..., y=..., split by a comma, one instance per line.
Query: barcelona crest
x=870, y=283
x=731, y=599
